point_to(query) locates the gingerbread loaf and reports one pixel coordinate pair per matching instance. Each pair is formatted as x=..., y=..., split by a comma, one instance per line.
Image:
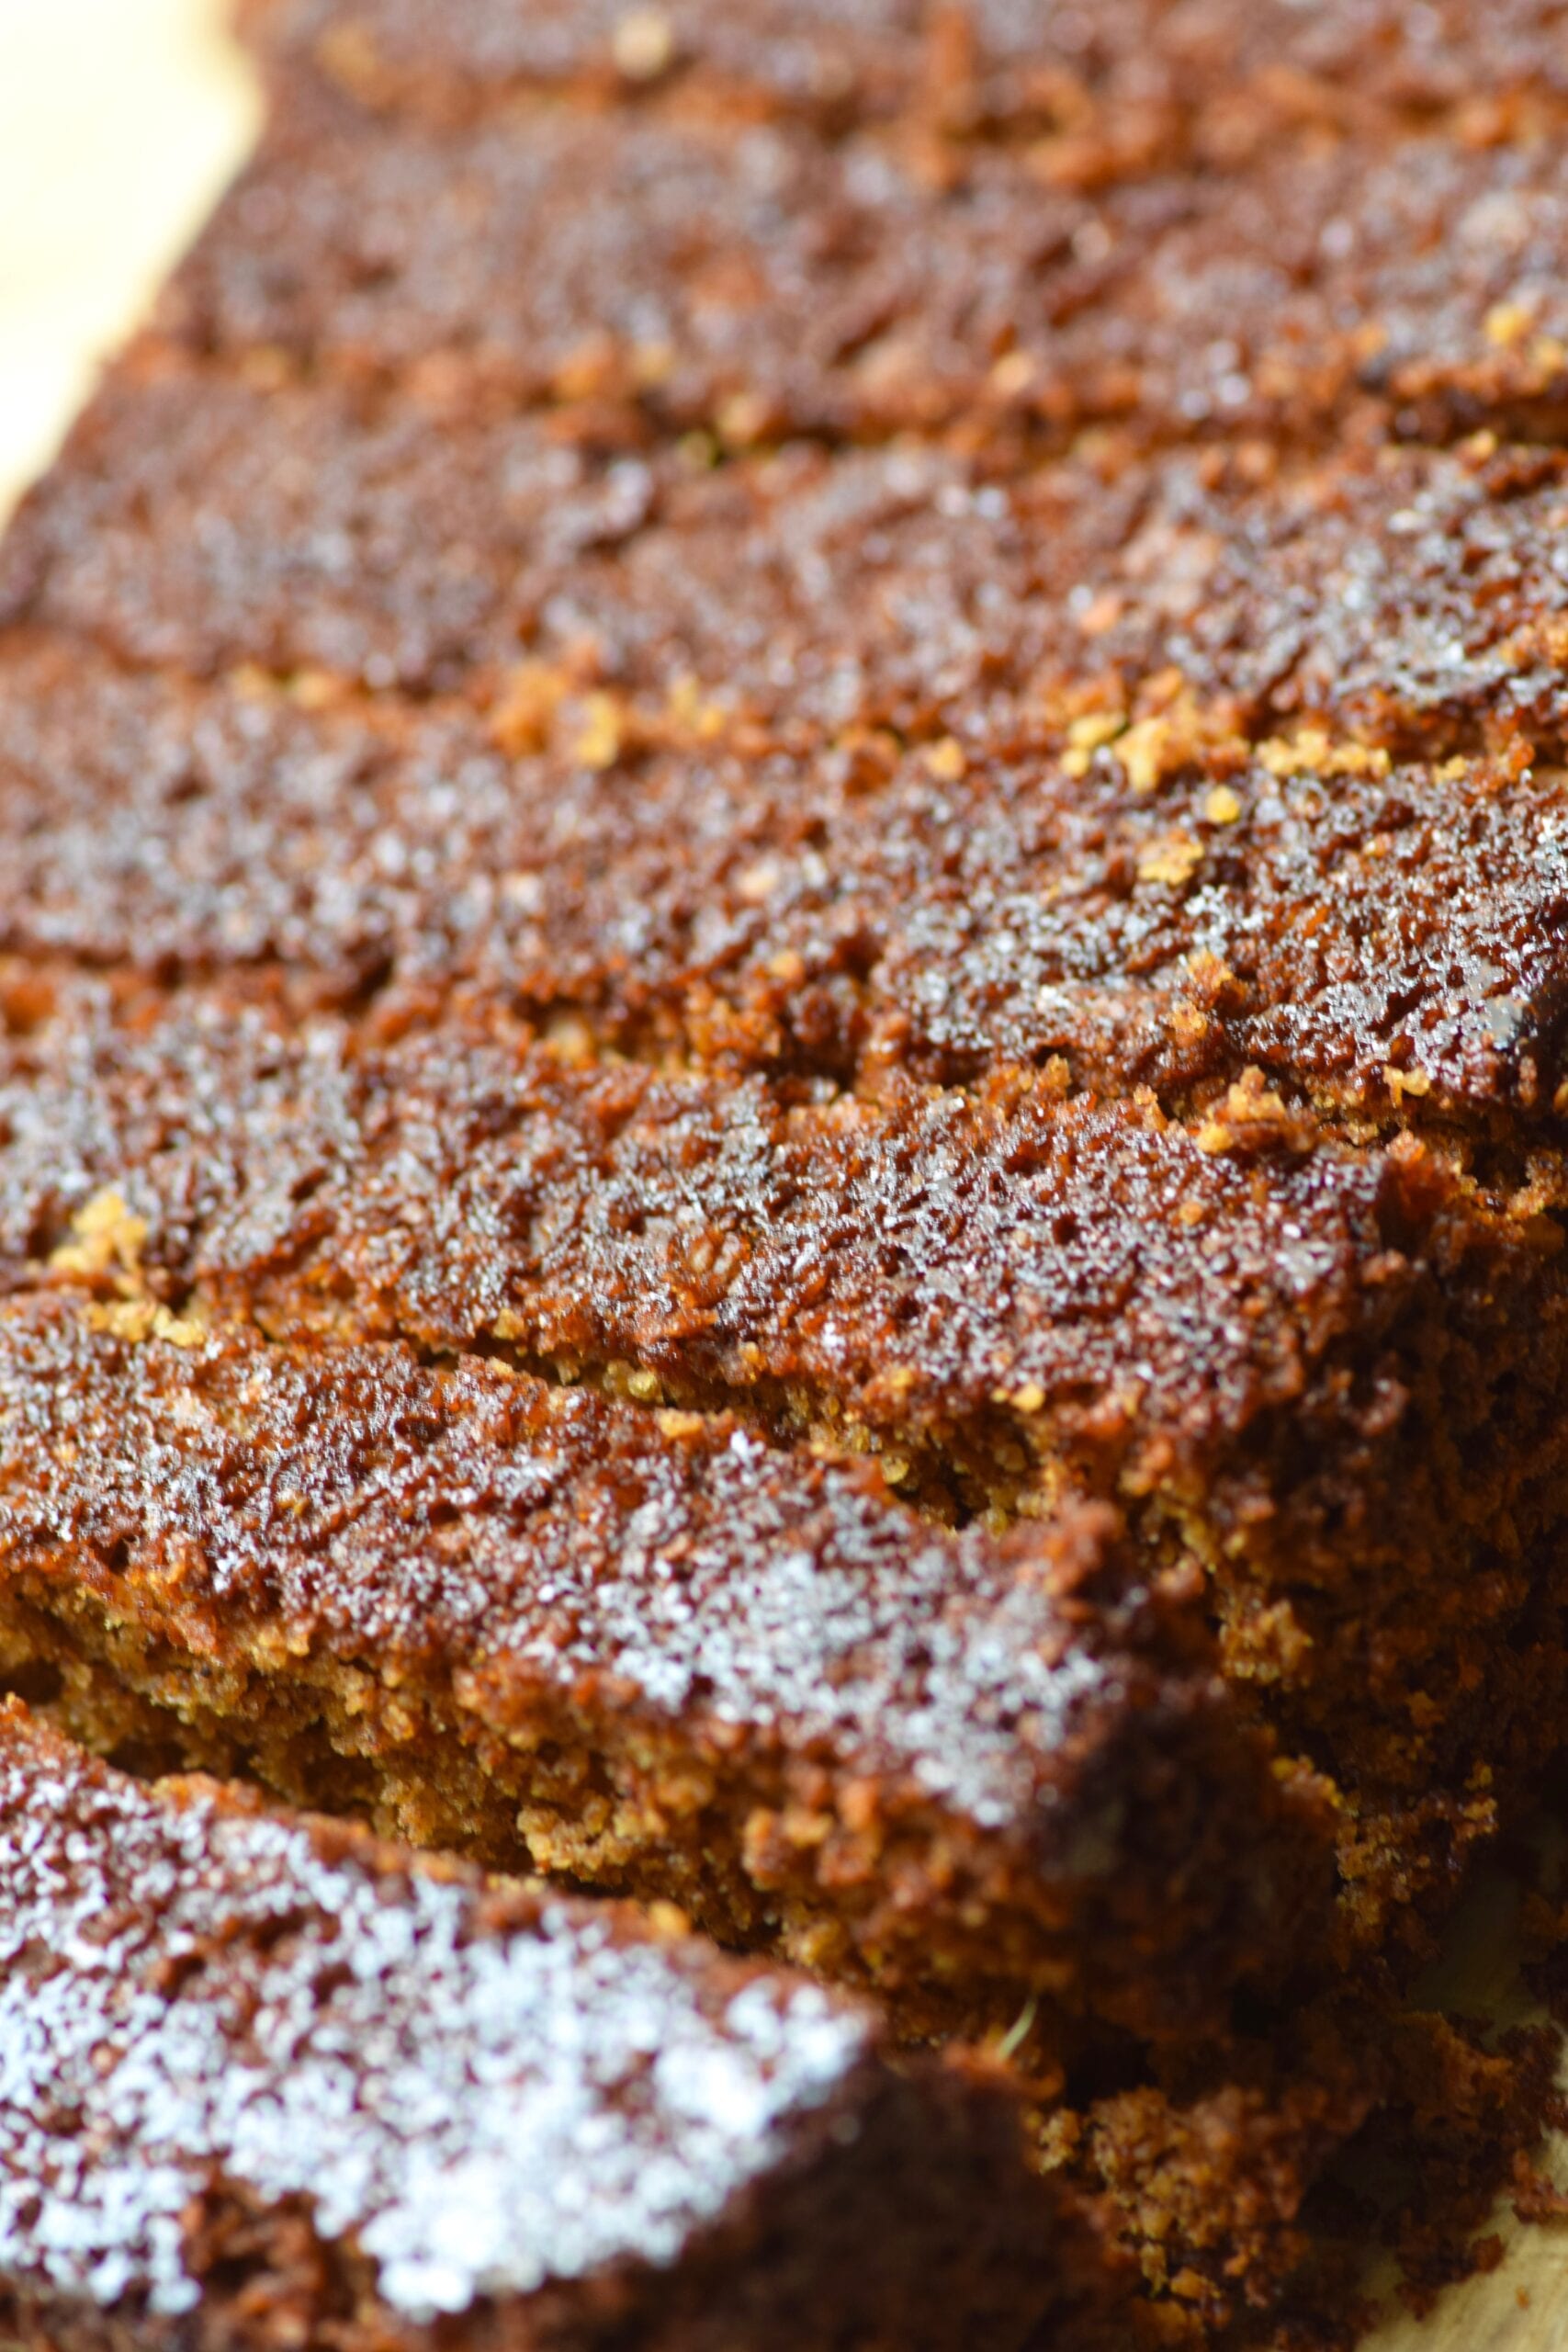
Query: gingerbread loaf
x=783, y=991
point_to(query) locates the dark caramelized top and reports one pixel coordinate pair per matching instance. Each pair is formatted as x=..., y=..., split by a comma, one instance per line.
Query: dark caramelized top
x=1400, y=599
x=1387, y=937
x=1404, y=598
x=981, y=65
x=292, y=531
x=959, y=1273
x=1325, y=272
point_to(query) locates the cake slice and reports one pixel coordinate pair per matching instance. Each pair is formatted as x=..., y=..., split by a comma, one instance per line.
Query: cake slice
x=991, y=1776
x=1105, y=88
x=1325, y=273
x=1330, y=1375
x=1381, y=938
x=268, y=2081
x=530, y=561
x=1188, y=610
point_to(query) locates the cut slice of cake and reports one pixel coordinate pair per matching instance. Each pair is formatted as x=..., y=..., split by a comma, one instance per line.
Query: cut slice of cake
x=990, y=1776
x=1261, y=261
x=1383, y=938
x=267, y=2081
x=1323, y=1382
x=1124, y=85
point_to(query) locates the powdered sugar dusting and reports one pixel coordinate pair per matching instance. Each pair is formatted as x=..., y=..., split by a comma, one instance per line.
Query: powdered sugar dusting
x=187, y=1992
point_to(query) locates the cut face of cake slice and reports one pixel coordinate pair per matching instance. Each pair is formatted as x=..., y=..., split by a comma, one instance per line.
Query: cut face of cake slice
x=267, y=2080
